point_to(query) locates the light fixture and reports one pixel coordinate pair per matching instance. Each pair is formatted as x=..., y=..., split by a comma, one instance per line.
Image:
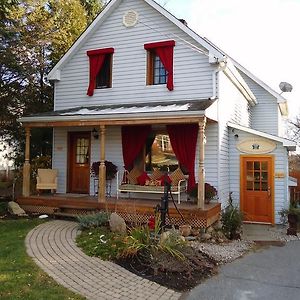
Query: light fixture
x=95, y=134
x=236, y=136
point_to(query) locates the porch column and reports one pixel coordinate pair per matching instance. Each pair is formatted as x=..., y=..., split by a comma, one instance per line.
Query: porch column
x=102, y=170
x=201, y=171
x=26, y=166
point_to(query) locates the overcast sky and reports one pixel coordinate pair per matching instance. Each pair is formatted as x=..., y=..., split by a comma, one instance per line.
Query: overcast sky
x=262, y=35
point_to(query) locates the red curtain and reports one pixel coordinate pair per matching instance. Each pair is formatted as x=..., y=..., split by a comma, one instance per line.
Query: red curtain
x=96, y=58
x=165, y=52
x=133, y=140
x=183, y=139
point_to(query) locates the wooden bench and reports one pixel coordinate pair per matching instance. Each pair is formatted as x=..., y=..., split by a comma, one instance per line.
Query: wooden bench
x=148, y=189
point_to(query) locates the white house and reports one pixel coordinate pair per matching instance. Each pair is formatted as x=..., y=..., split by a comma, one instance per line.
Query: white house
x=136, y=74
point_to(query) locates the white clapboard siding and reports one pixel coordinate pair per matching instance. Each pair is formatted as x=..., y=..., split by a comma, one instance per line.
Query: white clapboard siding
x=265, y=114
x=281, y=184
x=192, y=71
x=233, y=107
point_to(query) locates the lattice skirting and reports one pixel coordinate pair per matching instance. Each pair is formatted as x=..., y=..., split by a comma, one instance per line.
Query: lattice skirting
x=130, y=216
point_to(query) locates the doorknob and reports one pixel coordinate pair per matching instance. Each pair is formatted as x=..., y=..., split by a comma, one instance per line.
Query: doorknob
x=269, y=191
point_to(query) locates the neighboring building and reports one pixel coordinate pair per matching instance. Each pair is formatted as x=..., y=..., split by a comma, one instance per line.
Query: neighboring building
x=6, y=164
x=138, y=73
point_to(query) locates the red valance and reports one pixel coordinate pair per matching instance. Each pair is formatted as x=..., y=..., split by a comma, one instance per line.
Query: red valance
x=165, y=52
x=183, y=139
x=96, y=58
x=133, y=140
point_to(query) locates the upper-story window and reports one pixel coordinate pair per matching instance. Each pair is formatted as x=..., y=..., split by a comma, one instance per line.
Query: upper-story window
x=100, y=69
x=104, y=76
x=156, y=72
x=160, y=63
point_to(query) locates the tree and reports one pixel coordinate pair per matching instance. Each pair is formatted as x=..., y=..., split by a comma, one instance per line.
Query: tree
x=34, y=35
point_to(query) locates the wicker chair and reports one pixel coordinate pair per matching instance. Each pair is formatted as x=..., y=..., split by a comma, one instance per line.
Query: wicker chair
x=46, y=180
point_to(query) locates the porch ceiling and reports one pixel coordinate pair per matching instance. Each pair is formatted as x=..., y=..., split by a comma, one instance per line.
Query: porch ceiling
x=138, y=113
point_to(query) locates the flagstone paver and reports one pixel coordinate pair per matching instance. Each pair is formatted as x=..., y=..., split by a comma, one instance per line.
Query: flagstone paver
x=52, y=246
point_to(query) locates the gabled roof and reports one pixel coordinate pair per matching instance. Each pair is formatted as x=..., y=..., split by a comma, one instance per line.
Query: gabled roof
x=291, y=145
x=215, y=54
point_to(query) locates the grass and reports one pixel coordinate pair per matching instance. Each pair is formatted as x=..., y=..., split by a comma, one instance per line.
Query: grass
x=20, y=278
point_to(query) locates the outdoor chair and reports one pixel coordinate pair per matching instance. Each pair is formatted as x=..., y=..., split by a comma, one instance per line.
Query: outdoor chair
x=46, y=180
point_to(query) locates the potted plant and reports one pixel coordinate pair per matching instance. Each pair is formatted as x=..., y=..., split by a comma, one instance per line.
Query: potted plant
x=210, y=192
x=292, y=216
x=111, y=169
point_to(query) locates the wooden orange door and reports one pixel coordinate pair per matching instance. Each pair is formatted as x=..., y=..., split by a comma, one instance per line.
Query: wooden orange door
x=79, y=162
x=257, y=189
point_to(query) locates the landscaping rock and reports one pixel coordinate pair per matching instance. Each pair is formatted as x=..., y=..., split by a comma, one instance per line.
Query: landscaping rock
x=117, y=223
x=205, y=237
x=185, y=230
x=209, y=230
x=164, y=236
x=218, y=225
x=15, y=209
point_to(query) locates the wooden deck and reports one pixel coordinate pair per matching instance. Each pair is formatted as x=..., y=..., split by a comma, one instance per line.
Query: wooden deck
x=132, y=210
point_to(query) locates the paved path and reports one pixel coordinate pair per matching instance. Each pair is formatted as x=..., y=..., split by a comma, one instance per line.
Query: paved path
x=52, y=247
x=273, y=273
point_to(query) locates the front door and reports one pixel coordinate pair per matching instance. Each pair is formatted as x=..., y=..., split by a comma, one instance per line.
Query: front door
x=79, y=162
x=257, y=189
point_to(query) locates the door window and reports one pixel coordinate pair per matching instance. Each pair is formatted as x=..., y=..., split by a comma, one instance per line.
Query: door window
x=257, y=175
x=82, y=151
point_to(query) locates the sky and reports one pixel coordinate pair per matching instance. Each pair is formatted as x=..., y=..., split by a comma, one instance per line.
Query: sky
x=262, y=35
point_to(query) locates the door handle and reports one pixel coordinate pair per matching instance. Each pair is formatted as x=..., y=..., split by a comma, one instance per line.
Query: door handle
x=269, y=191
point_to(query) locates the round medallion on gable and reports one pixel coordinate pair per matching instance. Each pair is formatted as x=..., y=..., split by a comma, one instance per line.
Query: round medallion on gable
x=130, y=18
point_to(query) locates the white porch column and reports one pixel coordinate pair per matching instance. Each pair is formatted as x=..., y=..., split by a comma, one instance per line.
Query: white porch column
x=201, y=171
x=102, y=170
x=26, y=166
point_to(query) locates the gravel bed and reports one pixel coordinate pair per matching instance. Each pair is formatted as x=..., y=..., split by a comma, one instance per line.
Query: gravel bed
x=225, y=252
x=279, y=233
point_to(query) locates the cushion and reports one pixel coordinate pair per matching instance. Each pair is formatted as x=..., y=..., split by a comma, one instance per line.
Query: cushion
x=176, y=176
x=142, y=178
x=165, y=178
x=133, y=175
x=153, y=182
x=156, y=174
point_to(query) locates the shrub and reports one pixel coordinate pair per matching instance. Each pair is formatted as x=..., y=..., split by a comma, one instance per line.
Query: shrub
x=93, y=220
x=232, y=220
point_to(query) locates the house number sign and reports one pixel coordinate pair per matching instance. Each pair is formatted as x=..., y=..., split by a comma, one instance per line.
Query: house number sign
x=256, y=146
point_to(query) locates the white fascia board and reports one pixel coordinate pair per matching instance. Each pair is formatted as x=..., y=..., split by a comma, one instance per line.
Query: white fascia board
x=110, y=117
x=283, y=107
x=99, y=19
x=279, y=97
x=235, y=77
x=215, y=55
x=291, y=145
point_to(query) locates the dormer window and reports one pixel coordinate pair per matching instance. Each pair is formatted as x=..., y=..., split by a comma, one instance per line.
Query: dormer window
x=160, y=63
x=100, y=69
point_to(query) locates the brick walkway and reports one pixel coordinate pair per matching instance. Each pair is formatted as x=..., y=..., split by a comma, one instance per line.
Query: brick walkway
x=52, y=246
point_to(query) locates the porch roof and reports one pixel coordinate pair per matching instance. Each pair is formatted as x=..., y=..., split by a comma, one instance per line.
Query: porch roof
x=120, y=113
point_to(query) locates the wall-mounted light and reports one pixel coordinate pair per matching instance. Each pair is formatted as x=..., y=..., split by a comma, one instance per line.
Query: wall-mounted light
x=95, y=134
x=236, y=136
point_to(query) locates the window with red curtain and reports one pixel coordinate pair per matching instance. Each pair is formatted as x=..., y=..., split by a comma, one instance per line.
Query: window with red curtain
x=97, y=61
x=133, y=141
x=165, y=52
x=183, y=139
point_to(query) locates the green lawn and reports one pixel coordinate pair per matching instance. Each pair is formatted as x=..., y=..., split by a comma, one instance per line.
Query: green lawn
x=20, y=278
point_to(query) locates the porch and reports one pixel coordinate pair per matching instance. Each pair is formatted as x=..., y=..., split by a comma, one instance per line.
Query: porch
x=133, y=210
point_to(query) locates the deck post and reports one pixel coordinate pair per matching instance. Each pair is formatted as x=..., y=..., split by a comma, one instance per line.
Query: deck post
x=102, y=170
x=26, y=166
x=201, y=174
